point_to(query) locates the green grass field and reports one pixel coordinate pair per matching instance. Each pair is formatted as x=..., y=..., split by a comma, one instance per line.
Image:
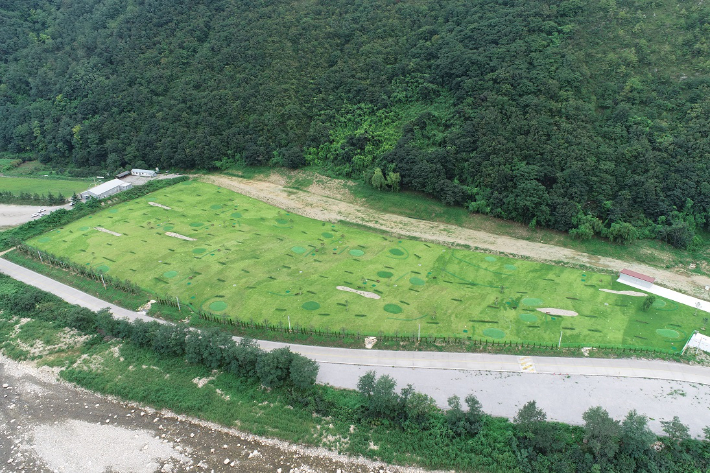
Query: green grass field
x=41, y=186
x=255, y=262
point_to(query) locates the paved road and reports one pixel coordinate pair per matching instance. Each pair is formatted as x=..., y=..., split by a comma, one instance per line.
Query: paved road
x=564, y=387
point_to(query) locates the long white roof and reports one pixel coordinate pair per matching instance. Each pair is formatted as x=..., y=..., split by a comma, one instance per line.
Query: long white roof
x=107, y=186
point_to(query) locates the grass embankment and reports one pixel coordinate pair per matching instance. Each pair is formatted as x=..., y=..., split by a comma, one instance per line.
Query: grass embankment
x=253, y=262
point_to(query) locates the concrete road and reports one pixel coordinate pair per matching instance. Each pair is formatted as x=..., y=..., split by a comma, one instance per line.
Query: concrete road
x=564, y=387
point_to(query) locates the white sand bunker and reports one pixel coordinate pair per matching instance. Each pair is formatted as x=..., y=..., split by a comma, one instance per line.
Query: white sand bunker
x=626, y=293
x=102, y=229
x=155, y=204
x=92, y=448
x=562, y=312
x=369, y=295
x=177, y=235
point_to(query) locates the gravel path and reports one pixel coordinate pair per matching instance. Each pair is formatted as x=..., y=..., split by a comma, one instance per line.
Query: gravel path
x=328, y=208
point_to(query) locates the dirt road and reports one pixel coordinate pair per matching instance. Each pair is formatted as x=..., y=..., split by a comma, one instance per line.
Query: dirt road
x=48, y=426
x=333, y=204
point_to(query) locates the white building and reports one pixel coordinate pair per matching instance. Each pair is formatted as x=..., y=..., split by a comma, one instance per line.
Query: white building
x=143, y=172
x=106, y=189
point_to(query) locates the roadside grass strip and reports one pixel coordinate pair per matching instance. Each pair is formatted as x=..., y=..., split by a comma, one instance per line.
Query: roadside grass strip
x=276, y=266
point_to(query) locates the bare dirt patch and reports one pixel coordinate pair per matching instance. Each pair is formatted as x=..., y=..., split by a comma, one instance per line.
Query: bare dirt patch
x=155, y=204
x=329, y=209
x=626, y=293
x=177, y=235
x=14, y=215
x=110, y=232
x=562, y=312
x=369, y=295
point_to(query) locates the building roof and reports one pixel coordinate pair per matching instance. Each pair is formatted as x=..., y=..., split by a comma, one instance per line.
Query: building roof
x=107, y=186
x=636, y=275
x=143, y=170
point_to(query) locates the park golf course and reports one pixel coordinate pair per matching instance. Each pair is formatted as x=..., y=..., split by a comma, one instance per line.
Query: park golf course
x=248, y=260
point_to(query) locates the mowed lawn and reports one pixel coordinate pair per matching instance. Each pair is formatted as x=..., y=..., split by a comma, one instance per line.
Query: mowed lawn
x=252, y=261
x=40, y=186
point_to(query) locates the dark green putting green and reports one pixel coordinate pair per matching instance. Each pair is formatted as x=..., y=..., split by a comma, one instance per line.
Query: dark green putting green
x=311, y=305
x=532, y=301
x=667, y=333
x=167, y=228
x=44, y=239
x=218, y=306
x=525, y=317
x=216, y=206
x=393, y=308
x=417, y=281
x=281, y=221
x=510, y=267
x=356, y=252
x=236, y=215
x=83, y=229
x=298, y=249
x=196, y=224
x=396, y=252
x=327, y=235
x=494, y=333
x=384, y=274
x=658, y=303
x=113, y=211
x=103, y=268
x=491, y=259
x=170, y=274
x=199, y=251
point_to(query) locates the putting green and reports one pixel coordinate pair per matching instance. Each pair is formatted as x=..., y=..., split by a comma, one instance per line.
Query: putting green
x=113, y=211
x=417, y=281
x=83, y=229
x=384, y=274
x=393, y=308
x=170, y=274
x=281, y=221
x=327, y=235
x=525, y=317
x=218, y=306
x=196, y=224
x=356, y=252
x=216, y=206
x=510, y=267
x=532, y=301
x=667, y=333
x=311, y=305
x=44, y=239
x=167, y=228
x=494, y=333
x=491, y=259
x=298, y=249
x=199, y=251
x=658, y=303
x=103, y=268
x=236, y=215
x=396, y=252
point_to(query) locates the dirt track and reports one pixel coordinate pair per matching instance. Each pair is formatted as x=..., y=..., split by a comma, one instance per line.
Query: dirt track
x=335, y=204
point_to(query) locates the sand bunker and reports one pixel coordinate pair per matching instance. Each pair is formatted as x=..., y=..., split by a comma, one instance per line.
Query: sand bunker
x=626, y=293
x=177, y=235
x=155, y=204
x=562, y=312
x=102, y=229
x=80, y=446
x=369, y=295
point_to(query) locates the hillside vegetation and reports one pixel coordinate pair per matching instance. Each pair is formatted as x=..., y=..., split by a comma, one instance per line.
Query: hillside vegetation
x=589, y=117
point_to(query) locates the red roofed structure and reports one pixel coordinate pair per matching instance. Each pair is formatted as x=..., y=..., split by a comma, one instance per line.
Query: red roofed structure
x=636, y=275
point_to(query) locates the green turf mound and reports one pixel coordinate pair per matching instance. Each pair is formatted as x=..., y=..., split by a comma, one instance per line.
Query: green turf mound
x=216, y=206
x=393, y=308
x=658, y=303
x=384, y=274
x=167, y=228
x=417, y=281
x=668, y=333
x=298, y=249
x=45, y=239
x=525, y=317
x=281, y=221
x=356, y=252
x=170, y=274
x=113, y=211
x=311, y=305
x=532, y=301
x=327, y=235
x=396, y=252
x=510, y=267
x=218, y=306
x=83, y=229
x=199, y=251
x=196, y=224
x=236, y=215
x=103, y=268
x=491, y=259
x=494, y=333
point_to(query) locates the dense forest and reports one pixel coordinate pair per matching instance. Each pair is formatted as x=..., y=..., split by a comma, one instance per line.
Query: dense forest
x=588, y=117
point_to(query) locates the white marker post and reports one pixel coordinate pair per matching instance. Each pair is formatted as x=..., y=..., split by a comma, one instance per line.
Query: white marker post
x=289, y=323
x=178, y=303
x=559, y=344
x=419, y=334
x=40, y=257
x=102, y=279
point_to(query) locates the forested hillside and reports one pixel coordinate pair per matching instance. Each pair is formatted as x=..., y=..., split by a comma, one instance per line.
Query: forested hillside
x=590, y=117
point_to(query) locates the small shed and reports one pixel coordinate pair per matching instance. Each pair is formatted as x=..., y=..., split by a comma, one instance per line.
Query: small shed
x=143, y=172
x=123, y=174
x=106, y=189
x=636, y=279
